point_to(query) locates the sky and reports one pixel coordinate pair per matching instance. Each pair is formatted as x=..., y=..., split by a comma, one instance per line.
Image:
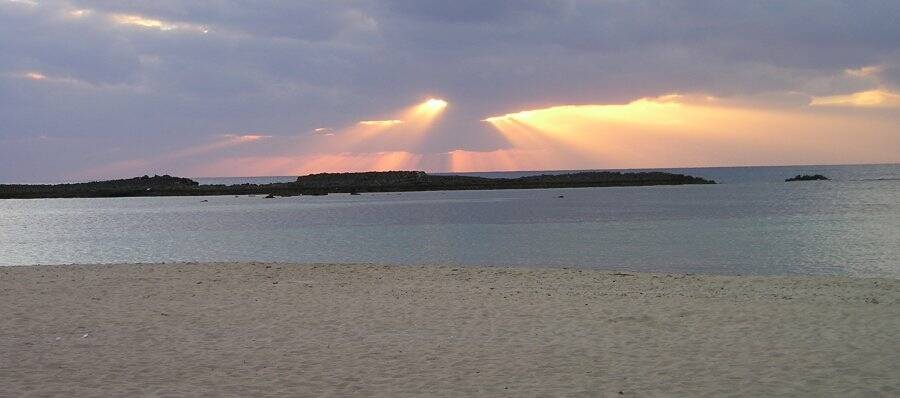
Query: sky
x=99, y=89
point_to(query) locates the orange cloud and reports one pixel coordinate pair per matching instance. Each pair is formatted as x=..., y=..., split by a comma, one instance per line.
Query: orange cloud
x=863, y=99
x=380, y=123
x=665, y=131
x=678, y=130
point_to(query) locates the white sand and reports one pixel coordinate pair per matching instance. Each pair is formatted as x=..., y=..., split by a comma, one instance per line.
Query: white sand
x=253, y=329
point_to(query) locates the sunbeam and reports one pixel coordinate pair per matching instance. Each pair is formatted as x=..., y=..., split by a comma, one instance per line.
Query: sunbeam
x=403, y=131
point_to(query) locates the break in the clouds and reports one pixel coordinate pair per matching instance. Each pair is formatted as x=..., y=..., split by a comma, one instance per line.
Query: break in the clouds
x=99, y=89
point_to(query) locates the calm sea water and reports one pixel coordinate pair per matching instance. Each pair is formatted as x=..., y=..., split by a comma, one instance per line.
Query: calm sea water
x=752, y=223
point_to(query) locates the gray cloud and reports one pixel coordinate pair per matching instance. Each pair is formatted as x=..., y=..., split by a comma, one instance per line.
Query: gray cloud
x=475, y=11
x=891, y=76
x=285, y=68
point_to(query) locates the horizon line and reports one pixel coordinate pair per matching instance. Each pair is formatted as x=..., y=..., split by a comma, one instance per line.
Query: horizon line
x=464, y=172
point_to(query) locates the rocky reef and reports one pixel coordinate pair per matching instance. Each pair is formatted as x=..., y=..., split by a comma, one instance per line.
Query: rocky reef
x=807, y=177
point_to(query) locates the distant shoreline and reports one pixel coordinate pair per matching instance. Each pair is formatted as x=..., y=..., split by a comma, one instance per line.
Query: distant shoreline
x=326, y=183
x=201, y=178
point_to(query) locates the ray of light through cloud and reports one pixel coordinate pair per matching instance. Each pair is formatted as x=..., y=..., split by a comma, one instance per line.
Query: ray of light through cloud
x=440, y=86
x=665, y=131
x=405, y=130
x=685, y=131
x=163, y=160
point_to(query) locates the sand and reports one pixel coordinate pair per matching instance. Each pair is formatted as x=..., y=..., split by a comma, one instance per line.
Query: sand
x=365, y=330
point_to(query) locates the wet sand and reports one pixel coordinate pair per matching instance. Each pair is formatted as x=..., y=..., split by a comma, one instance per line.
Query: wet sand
x=337, y=330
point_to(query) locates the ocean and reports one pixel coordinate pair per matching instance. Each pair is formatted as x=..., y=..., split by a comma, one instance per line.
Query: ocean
x=752, y=223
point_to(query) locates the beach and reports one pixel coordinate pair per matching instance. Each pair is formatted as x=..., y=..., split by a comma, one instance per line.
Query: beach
x=257, y=329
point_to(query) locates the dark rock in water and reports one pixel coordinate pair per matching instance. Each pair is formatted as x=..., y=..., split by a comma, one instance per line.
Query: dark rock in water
x=560, y=196
x=807, y=177
x=269, y=196
x=354, y=193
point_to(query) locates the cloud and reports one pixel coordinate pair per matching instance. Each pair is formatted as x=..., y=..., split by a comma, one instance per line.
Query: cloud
x=863, y=99
x=865, y=71
x=665, y=131
x=171, y=73
x=311, y=21
x=474, y=11
x=33, y=75
x=144, y=22
x=30, y=3
x=890, y=77
x=380, y=123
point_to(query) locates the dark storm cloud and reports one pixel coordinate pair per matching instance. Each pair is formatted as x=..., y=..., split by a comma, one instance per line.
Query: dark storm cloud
x=284, y=68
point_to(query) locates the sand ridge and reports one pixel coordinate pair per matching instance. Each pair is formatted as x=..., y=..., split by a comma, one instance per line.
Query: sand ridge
x=255, y=329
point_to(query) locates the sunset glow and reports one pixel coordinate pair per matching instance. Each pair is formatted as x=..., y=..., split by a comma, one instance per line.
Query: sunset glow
x=442, y=86
x=135, y=165
x=380, y=123
x=666, y=131
x=675, y=130
x=865, y=71
x=864, y=99
x=404, y=130
x=434, y=105
x=449, y=197
x=145, y=22
x=79, y=13
x=498, y=160
x=138, y=20
x=422, y=116
x=35, y=76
